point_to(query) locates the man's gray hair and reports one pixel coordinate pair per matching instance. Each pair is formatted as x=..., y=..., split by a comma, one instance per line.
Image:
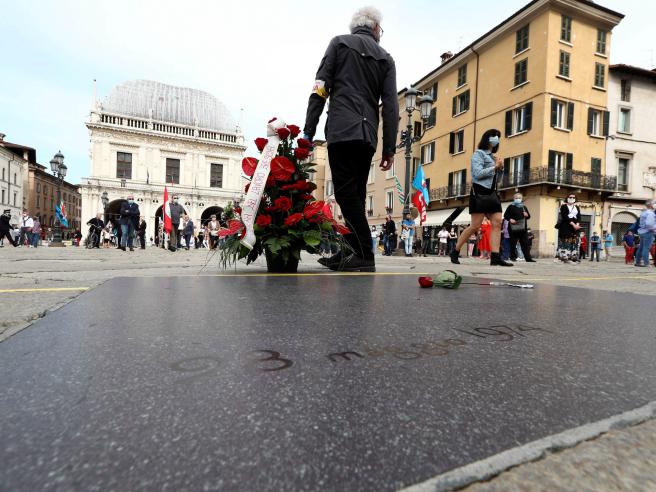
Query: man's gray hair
x=366, y=16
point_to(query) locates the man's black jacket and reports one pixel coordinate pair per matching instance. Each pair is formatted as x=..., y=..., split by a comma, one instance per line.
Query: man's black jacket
x=356, y=73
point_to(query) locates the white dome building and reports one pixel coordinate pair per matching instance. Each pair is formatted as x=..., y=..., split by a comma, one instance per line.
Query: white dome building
x=146, y=135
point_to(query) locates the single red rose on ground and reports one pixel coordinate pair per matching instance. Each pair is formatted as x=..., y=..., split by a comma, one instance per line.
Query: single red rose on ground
x=294, y=130
x=248, y=165
x=301, y=153
x=341, y=229
x=426, y=282
x=293, y=219
x=234, y=226
x=260, y=143
x=263, y=220
x=304, y=143
x=283, y=132
x=283, y=203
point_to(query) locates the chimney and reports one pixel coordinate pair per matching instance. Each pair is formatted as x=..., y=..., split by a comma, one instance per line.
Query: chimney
x=446, y=56
x=2, y=137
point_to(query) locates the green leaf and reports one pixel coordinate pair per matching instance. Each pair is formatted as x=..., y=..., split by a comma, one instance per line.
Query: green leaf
x=327, y=226
x=312, y=238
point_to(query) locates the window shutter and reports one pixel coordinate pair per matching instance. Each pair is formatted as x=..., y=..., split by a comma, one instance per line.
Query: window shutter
x=506, y=164
x=454, y=106
x=433, y=117
x=527, y=163
x=466, y=96
x=590, y=120
x=464, y=178
x=554, y=112
x=451, y=184
x=570, y=161
x=509, y=123
x=552, y=161
x=432, y=147
x=452, y=137
x=595, y=167
x=570, y=116
x=528, y=116
x=606, y=123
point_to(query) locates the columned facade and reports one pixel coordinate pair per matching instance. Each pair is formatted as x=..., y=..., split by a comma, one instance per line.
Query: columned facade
x=146, y=136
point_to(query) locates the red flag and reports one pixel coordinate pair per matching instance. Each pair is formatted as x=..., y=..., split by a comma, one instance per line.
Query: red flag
x=420, y=203
x=166, y=213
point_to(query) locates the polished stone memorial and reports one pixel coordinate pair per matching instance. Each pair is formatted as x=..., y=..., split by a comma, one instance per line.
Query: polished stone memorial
x=319, y=382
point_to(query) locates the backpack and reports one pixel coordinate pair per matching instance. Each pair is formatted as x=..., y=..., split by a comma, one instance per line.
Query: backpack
x=634, y=227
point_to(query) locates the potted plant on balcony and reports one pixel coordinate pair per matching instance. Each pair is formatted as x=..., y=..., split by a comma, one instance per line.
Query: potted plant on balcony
x=289, y=219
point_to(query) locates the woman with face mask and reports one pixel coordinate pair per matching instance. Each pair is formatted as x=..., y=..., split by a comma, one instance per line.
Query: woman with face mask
x=517, y=216
x=484, y=201
x=568, y=230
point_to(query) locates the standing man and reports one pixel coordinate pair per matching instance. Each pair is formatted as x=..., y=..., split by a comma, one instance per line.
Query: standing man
x=188, y=231
x=425, y=240
x=608, y=243
x=628, y=241
x=646, y=230
x=389, y=229
x=176, y=211
x=6, y=227
x=595, y=246
x=25, y=228
x=443, y=238
x=141, y=232
x=129, y=222
x=355, y=73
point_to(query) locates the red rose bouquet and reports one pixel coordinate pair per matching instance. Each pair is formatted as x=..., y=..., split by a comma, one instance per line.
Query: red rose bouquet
x=289, y=218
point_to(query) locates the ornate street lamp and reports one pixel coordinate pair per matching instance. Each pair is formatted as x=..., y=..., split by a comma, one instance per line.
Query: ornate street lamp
x=407, y=138
x=58, y=169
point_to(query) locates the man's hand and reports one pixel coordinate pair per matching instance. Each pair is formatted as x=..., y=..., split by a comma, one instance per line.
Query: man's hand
x=386, y=163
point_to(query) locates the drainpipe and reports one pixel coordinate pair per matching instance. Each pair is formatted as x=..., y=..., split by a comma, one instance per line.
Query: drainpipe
x=475, y=98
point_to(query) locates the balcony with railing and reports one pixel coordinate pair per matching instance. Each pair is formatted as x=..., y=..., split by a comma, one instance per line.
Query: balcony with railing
x=537, y=176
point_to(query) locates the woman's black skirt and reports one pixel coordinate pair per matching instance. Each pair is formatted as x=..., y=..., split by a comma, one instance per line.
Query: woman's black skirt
x=474, y=207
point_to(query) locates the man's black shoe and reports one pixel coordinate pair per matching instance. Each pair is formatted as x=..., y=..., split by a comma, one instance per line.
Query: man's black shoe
x=454, y=257
x=131, y=249
x=335, y=259
x=353, y=263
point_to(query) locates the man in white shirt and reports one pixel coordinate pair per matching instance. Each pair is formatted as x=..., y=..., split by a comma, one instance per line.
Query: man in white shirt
x=443, y=237
x=26, y=224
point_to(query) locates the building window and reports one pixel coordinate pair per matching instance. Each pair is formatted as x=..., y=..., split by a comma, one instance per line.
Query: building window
x=45, y=189
x=417, y=130
x=389, y=200
x=521, y=39
x=456, y=142
x=595, y=170
x=3, y=196
x=38, y=187
x=460, y=104
x=598, y=122
x=601, y=42
x=216, y=175
x=521, y=72
x=566, y=29
x=624, y=121
x=370, y=205
x=432, y=91
x=330, y=189
x=38, y=201
x=415, y=165
x=15, y=181
x=3, y=174
x=172, y=171
x=562, y=114
x=14, y=199
x=600, y=74
x=462, y=75
x=625, y=92
x=427, y=154
x=519, y=120
x=563, y=66
x=457, y=183
x=560, y=166
x=372, y=174
x=431, y=119
x=623, y=174
x=123, y=165
x=517, y=170
x=391, y=172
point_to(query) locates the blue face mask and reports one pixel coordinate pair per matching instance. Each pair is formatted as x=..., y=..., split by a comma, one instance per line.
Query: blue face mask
x=517, y=201
x=494, y=141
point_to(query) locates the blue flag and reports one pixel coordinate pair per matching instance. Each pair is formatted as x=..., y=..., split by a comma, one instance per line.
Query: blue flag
x=419, y=183
x=60, y=212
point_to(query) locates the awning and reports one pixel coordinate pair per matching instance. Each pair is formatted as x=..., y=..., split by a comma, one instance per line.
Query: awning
x=438, y=217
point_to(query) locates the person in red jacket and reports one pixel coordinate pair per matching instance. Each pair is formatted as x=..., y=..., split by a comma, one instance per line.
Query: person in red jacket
x=583, y=246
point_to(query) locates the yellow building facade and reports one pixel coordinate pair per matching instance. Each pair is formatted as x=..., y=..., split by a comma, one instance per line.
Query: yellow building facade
x=541, y=78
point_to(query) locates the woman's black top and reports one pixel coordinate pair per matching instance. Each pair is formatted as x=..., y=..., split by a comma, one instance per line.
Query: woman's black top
x=565, y=220
x=516, y=213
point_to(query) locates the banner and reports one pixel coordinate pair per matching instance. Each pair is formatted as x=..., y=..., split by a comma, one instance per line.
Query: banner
x=258, y=182
x=60, y=212
x=419, y=183
x=399, y=190
x=418, y=201
x=166, y=212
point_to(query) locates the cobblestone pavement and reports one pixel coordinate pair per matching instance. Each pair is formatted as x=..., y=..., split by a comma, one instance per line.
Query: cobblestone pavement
x=35, y=281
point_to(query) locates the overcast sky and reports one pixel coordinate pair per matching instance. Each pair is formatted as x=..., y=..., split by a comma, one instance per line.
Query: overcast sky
x=259, y=58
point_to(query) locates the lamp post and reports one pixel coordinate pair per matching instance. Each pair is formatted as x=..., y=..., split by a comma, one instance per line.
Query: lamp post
x=407, y=138
x=59, y=171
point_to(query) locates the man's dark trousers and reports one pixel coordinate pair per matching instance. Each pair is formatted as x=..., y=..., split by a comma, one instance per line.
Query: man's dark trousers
x=349, y=164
